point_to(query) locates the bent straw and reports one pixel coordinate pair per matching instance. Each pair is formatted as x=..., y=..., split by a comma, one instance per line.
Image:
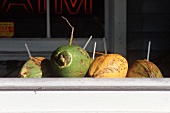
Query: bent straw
x=149, y=46
x=28, y=50
x=94, y=50
x=72, y=32
x=87, y=42
x=105, y=48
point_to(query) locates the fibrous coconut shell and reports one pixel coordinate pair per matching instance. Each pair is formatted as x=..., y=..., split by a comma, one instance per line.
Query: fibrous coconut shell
x=144, y=69
x=109, y=66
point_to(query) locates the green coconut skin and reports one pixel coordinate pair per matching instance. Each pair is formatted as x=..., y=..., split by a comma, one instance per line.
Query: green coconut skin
x=70, y=61
x=36, y=67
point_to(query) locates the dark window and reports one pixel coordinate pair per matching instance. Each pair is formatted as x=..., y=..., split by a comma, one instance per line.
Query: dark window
x=29, y=17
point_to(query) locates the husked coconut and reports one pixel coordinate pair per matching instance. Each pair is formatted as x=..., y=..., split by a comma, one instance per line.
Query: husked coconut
x=109, y=66
x=144, y=69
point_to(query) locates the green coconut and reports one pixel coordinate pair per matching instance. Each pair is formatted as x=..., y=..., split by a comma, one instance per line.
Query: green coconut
x=70, y=61
x=144, y=69
x=35, y=67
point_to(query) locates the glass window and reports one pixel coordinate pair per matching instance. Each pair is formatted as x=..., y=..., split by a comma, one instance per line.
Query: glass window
x=30, y=17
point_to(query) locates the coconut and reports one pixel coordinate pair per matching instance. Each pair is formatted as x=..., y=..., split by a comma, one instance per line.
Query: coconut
x=35, y=67
x=109, y=66
x=144, y=69
x=70, y=61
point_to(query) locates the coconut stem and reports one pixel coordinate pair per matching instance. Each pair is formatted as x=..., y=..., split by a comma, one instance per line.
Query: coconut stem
x=72, y=32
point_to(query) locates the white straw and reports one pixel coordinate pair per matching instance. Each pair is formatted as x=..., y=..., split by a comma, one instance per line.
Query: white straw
x=105, y=48
x=149, y=46
x=94, y=50
x=28, y=51
x=87, y=42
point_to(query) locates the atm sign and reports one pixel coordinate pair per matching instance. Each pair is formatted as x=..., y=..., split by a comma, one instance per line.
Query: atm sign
x=6, y=29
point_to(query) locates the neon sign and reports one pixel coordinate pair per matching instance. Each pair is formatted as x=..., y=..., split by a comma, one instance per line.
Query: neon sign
x=72, y=6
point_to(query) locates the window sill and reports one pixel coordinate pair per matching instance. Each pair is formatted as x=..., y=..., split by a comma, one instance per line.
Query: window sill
x=59, y=84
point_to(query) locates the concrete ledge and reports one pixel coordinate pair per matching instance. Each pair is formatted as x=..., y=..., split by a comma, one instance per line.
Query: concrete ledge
x=86, y=95
x=76, y=84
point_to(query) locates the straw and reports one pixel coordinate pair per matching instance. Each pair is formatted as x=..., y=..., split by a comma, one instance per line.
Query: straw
x=105, y=48
x=72, y=32
x=87, y=42
x=94, y=50
x=28, y=51
x=149, y=46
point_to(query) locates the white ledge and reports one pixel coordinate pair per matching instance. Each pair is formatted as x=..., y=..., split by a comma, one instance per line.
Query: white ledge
x=53, y=84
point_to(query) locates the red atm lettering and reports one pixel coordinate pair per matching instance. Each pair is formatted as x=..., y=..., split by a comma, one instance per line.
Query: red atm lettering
x=41, y=6
x=26, y=4
x=73, y=6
